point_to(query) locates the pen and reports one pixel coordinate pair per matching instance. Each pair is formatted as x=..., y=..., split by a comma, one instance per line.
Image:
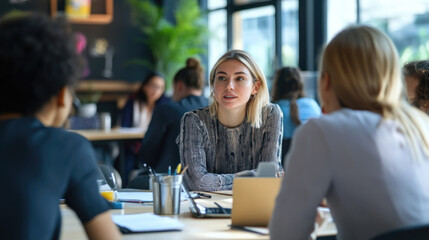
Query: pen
x=184, y=170
x=178, y=168
x=204, y=195
x=220, y=207
x=169, y=170
x=132, y=201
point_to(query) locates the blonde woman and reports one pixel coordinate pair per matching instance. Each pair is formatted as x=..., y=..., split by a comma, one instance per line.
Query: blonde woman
x=368, y=155
x=238, y=130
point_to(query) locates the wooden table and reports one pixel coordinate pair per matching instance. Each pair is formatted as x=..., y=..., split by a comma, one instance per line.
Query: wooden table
x=112, y=135
x=194, y=228
x=119, y=135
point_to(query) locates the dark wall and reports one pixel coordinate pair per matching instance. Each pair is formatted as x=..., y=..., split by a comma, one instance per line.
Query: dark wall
x=121, y=35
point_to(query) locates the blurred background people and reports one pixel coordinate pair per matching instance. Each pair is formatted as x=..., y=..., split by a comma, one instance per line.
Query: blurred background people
x=416, y=75
x=137, y=113
x=288, y=93
x=159, y=149
x=138, y=110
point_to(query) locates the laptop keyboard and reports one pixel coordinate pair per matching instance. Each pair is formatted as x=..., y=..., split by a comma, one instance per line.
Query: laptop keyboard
x=218, y=211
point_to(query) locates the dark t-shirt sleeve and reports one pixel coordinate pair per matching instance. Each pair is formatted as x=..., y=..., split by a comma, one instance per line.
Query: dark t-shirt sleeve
x=82, y=194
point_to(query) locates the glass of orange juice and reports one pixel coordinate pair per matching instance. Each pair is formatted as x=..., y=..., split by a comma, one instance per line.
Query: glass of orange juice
x=106, y=191
x=109, y=195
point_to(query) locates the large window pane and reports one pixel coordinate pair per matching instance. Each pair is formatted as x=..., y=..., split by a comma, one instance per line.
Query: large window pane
x=254, y=33
x=407, y=23
x=341, y=13
x=241, y=2
x=217, y=41
x=214, y=4
x=290, y=35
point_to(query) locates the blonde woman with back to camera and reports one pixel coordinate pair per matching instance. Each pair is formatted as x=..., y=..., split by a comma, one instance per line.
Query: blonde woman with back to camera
x=369, y=155
x=238, y=130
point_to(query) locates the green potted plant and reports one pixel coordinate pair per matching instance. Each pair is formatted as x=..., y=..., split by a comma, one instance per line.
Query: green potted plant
x=170, y=43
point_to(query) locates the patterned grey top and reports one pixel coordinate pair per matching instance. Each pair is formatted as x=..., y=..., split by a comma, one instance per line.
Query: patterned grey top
x=214, y=152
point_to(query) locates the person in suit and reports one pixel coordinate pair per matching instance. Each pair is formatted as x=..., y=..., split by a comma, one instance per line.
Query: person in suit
x=42, y=162
x=368, y=155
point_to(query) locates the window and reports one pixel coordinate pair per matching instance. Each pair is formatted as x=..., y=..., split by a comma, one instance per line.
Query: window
x=290, y=34
x=217, y=41
x=215, y=4
x=242, y=2
x=341, y=13
x=407, y=24
x=253, y=32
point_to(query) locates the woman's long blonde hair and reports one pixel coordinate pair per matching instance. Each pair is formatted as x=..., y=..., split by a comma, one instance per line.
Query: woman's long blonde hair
x=256, y=102
x=365, y=72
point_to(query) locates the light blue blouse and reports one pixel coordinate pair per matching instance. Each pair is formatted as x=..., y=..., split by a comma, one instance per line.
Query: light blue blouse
x=307, y=108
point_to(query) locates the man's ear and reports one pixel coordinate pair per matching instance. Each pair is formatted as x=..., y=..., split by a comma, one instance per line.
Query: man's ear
x=61, y=97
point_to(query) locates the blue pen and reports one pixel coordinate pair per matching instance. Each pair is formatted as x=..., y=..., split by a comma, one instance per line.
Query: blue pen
x=169, y=170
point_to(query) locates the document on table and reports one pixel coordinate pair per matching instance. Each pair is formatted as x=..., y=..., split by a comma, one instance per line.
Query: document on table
x=135, y=196
x=146, y=222
x=142, y=197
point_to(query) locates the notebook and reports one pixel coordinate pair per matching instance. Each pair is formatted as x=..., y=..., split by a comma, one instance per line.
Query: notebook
x=253, y=201
x=199, y=211
x=146, y=222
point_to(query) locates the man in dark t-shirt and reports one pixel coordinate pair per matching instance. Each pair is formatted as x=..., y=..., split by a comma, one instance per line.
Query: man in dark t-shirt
x=41, y=162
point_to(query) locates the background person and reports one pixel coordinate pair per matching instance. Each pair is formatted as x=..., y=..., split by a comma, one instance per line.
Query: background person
x=137, y=113
x=288, y=93
x=138, y=110
x=369, y=155
x=41, y=162
x=238, y=130
x=417, y=80
x=159, y=149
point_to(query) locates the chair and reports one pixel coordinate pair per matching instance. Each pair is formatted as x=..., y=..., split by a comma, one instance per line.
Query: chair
x=112, y=176
x=419, y=232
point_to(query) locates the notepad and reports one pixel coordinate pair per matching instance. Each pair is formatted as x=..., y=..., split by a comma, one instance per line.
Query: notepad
x=135, y=196
x=146, y=222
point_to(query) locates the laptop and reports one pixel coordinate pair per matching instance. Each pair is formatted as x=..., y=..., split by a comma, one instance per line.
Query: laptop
x=199, y=211
x=253, y=200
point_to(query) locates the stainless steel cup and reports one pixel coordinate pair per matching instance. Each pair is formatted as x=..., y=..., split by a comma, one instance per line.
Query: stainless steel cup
x=166, y=194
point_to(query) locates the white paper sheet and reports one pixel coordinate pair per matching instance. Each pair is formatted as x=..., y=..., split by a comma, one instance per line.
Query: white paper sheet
x=135, y=196
x=147, y=222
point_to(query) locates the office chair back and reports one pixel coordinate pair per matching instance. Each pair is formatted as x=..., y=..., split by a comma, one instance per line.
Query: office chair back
x=111, y=175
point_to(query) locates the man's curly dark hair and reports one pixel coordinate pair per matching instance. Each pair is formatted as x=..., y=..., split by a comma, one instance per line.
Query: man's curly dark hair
x=419, y=70
x=37, y=59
